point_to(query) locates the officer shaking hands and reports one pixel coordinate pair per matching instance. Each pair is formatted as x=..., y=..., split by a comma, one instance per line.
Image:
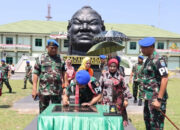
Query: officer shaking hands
x=154, y=81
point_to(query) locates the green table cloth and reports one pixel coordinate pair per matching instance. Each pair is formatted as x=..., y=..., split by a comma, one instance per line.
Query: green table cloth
x=49, y=120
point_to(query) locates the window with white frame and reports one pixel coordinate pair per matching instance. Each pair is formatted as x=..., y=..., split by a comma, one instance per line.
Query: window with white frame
x=132, y=46
x=9, y=60
x=38, y=42
x=160, y=45
x=9, y=40
x=66, y=43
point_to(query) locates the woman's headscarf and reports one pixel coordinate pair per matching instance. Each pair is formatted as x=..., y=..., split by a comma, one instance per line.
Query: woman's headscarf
x=113, y=60
x=83, y=66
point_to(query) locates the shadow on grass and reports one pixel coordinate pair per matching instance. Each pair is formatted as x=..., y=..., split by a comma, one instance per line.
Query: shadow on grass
x=5, y=106
x=9, y=93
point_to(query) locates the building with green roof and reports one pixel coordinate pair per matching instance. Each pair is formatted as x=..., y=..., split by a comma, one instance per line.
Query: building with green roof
x=29, y=38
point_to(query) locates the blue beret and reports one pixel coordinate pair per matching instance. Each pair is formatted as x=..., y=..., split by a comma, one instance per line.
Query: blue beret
x=52, y=42
x=102, y=56
x=27, y=62
x=118, y=58
x=141, y=57
x=82, y=77
x=3, y=60
x=148, y=41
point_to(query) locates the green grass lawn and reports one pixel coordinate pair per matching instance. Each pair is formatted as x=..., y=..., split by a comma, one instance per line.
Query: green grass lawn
x=173, y=108
x=12, y=120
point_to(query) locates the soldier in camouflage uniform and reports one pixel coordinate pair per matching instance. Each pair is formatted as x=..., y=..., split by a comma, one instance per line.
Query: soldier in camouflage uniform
x=136, y=85
x=86, y=89
x=51, y=72
x=154, y=80
x=5, y=75
x=0, y=82
x=103, y=65
x=28, y=75
x=114, y=90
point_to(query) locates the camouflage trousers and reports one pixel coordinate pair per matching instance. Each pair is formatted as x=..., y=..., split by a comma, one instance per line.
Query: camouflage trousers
x=44, y=101
x=153, y=118
x=26, y=78
x=6, y=81
x=136, y=87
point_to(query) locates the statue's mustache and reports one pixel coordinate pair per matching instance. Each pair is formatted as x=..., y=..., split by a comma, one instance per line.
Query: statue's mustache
x=86, y=34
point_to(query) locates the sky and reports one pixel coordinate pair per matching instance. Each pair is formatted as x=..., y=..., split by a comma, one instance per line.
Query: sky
x=164, y=14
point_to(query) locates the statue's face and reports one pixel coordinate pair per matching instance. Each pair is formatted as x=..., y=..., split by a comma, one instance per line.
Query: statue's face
x=85, y=25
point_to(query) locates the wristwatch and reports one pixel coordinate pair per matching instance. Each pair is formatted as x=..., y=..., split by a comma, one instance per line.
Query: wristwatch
x=160, y=99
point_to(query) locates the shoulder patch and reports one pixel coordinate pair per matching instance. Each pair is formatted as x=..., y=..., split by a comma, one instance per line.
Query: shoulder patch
x=162, y=63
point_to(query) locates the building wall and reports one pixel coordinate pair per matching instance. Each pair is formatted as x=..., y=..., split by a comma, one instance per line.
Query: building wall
x=132, y=51
x=35, y=51
x=24, y=40
x=16, y=54
x=65, y=49
x=40, y=48
x=36, y=54
x=20, y=54
x=12, y=36
x=174, y=44
x=11, y=54
x=160, y=41
x=174, y=63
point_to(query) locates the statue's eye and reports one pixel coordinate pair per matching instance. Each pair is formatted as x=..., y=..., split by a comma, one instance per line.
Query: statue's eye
x=76, y=22
x=94, y=22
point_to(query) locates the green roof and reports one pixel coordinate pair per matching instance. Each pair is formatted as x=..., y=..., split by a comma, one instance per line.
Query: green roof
x=131, y=30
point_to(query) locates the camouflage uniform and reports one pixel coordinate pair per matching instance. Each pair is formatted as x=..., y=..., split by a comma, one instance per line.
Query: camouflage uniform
x=85, y=94
x=5, y=69
x=49, y=69
x=136, y=84
x=0, y=81
x=114, y=91
x=103, y=67
x=153, y=70
x=28, y=69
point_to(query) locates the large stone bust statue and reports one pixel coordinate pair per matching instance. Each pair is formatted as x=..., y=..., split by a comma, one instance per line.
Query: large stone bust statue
x=82, y=27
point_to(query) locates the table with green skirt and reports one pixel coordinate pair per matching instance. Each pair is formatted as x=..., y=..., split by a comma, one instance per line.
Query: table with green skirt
x=49, y=120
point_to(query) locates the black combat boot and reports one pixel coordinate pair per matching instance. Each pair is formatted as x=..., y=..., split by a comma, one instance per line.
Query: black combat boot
x=140, y=102
x=10, y=90
x=135, y=100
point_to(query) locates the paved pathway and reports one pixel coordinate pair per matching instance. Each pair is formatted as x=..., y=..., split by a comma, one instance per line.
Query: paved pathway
x=17, y=76
x=26, y=105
